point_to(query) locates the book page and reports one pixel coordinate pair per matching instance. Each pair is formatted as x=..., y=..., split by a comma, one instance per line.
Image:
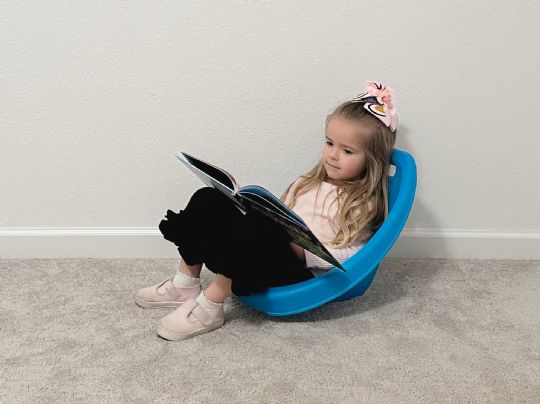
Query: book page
x=213, y=176
x=270, y=200
x=208, y=173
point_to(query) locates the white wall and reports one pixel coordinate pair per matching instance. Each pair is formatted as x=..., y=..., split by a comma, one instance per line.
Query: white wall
x=97, y=97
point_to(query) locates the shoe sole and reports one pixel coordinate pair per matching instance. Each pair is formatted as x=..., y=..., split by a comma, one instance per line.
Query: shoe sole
x=172, y=336
x=155, y=305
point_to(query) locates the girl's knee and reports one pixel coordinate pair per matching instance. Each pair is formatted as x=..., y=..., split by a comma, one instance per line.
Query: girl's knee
x=207, y=192
x=205, y=195
x=208, y=196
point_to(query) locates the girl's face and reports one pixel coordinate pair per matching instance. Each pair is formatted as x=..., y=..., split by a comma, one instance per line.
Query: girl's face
x=343, y=153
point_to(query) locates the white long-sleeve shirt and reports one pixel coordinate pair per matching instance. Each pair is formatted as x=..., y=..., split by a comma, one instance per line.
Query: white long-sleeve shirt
x=318, y=208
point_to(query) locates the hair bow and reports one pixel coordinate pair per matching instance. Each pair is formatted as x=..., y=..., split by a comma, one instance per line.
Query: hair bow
x=378, y=101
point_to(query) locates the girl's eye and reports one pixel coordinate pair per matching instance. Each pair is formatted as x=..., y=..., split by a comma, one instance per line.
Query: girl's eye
x=329, y=143
x=348, y=152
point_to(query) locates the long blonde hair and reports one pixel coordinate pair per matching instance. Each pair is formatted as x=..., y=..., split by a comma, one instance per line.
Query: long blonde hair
x=357, y=222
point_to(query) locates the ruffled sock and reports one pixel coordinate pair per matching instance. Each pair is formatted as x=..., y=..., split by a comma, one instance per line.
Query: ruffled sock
x=181, y=280
x=207, y=303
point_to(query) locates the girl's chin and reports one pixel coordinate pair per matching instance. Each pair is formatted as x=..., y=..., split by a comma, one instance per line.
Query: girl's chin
x=334, y=181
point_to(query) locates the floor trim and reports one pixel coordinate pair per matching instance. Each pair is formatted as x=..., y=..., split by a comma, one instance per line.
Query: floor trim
x=147, y=242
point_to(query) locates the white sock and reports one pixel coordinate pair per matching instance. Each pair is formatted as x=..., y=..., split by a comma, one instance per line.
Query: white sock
x=207, y=303
x=182, y=280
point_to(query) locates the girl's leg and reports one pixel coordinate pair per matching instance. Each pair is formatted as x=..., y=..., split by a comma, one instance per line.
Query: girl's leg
x=198, y=229
x=248, y=249
x=191, y=270
x=219, y=289
x=191, y=231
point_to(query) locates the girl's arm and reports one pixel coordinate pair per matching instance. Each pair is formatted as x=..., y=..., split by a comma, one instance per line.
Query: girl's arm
x=299, y=251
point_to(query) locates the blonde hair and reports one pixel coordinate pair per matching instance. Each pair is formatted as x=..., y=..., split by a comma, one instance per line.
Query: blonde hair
x=357, y=221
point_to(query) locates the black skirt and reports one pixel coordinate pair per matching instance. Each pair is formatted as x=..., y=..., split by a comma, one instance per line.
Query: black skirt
x=249, y=249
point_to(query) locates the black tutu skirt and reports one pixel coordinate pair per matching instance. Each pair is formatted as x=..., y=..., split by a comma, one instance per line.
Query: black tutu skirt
x=249, y=249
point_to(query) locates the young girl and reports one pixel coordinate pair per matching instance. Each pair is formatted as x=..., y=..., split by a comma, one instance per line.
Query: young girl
x=343, y=200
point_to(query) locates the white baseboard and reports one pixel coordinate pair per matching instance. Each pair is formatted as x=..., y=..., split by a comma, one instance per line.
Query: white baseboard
x=463, y=244
x=147, y=242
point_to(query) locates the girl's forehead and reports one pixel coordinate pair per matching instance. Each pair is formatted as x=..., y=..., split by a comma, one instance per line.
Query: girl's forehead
x=344, y=130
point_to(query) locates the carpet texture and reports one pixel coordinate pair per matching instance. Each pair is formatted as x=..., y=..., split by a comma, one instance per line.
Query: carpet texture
x=427, y=330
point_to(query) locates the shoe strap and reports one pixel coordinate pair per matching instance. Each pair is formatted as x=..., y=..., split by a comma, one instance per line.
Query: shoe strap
x=192, y=306
x=163, y=283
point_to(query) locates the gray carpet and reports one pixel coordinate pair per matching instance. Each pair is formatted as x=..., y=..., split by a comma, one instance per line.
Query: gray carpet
x=427, y=330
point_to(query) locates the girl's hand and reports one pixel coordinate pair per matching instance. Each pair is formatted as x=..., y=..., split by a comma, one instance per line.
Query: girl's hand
x=299, y=251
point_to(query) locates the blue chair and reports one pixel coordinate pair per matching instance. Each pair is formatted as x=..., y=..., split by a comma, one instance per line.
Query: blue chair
x=360, y=269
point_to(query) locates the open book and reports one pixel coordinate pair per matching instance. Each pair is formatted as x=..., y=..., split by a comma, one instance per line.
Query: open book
x=256, y=198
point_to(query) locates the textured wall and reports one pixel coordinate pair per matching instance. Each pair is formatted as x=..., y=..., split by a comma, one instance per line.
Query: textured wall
x=98, y=96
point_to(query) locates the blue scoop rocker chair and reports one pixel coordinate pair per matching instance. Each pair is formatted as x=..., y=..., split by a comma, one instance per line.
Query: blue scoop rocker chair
x=360, y=269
